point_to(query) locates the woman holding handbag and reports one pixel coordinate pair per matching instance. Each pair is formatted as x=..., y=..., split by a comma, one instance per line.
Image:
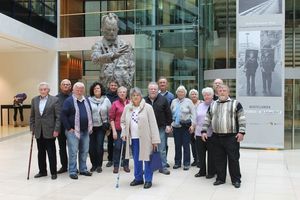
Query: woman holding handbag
x=100, y=105
x=183, y=113
x=139, y=128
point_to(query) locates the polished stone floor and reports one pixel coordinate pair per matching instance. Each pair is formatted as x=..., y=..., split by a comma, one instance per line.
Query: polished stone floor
x=266, y=175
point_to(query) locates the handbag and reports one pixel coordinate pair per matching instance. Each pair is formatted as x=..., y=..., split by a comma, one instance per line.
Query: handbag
x=105, y=125
x=155, y=161
x=186, y=123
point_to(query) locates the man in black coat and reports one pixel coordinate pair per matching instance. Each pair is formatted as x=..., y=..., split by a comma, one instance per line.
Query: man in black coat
x=163, y=117
x=251, y=65
x=65, y=92
x=112, y=96
x=267, y=67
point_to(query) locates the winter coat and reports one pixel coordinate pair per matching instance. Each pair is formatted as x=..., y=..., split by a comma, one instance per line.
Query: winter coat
x=147, y=129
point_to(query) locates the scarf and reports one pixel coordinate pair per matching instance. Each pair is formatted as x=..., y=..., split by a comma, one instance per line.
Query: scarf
x=177, y=113
x=98, y=102
x=77, y=117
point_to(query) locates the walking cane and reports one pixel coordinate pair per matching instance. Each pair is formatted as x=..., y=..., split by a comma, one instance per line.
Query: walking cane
x=30, y=154
x=118, y=176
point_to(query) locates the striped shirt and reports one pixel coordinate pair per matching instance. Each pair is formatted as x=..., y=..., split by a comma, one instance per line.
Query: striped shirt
x=225, y=117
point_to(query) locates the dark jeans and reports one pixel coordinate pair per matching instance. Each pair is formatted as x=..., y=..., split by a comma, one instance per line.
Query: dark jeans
x=62, y=143
x=118, y=143
x=227, y=147
x=203, y=147
x=250, y=83
x=96, y=146
x=182, y=139
x=193, y=147
x=16, y=113
x=46, y=146
x=110, y=146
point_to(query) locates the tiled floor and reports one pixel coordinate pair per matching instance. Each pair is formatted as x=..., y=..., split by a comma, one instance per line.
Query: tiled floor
x=266, y=175
x=9, y=131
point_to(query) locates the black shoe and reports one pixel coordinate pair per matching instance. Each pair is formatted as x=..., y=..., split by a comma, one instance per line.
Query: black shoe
x=167, y=165
x=176, y=166
x=73, y=176
x=147, y=185
x=218, y=182
x=93, y=169
x=53, y=176
x=135, y=182
x=99, y=169
x=87, y=173
x=39, y=175
x=209, y=176
x=236, y=184
x=185, y=168
x=194, y=164
x=199, y=175
x=109, y=164
x=164, y=171
x=62, y=170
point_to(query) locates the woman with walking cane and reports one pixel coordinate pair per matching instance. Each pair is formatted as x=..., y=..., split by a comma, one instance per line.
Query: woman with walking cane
x=139, y=128
x=115, y=113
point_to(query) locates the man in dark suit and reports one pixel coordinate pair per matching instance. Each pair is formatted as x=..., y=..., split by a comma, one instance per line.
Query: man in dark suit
x=65, y=92
x=267, y=67
x=45, y=124
x=251, y=65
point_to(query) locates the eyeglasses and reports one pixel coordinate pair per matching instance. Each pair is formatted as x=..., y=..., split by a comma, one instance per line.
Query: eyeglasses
x=66, y=84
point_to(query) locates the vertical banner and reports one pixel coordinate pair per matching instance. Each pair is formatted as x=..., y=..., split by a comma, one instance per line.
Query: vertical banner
x=260, y=70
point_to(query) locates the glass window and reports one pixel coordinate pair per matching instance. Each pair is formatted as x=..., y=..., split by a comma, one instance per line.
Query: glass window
x=169, y=47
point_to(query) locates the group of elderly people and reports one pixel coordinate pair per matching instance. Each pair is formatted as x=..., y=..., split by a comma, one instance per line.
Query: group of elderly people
x=140, y=128
x=144, y=125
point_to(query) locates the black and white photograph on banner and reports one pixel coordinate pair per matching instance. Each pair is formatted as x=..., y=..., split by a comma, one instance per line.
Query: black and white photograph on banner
x=259, y=63
x=259, y=7
x=248, y=62
x=271, y=62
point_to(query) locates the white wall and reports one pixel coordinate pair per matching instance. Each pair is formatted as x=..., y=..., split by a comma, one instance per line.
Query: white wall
x=22, y=72
x=14, y=30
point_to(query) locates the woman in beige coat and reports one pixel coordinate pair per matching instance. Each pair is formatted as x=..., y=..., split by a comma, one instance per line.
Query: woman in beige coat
x=139, y=129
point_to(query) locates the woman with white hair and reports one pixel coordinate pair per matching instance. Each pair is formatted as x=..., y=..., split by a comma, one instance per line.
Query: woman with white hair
x=203, y=142
x=183, y=114
x=115, y=114
x=194, y=96
x=139, y=128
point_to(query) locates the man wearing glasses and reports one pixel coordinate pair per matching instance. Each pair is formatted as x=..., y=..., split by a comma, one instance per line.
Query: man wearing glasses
x=65, y=91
